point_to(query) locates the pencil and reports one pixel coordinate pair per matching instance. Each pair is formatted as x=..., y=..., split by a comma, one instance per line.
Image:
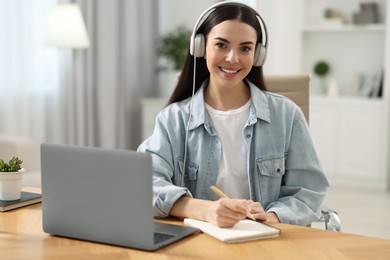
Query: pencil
x=223, y=195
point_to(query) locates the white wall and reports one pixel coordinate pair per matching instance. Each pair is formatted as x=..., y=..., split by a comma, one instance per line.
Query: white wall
x=283, y=28
x=173, y=13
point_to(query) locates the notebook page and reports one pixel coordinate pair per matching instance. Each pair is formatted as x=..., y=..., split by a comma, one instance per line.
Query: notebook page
x=245, y=230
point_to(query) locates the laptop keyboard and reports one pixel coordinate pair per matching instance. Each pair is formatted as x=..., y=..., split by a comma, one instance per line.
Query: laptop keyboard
x=159, y=237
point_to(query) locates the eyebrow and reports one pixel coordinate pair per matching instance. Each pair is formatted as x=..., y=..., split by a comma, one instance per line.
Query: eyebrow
x=225, y=40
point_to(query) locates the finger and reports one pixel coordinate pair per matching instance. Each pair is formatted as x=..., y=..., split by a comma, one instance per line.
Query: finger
x=228, y=208
x=260, y=216
x=239, y=206
x=257, y=211
x=224, y=222
x=255, y=207
x=221, y=216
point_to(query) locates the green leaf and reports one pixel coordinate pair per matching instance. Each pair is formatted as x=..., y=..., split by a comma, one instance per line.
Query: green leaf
x=321, y=68
x=174, y=45
x=13, y=165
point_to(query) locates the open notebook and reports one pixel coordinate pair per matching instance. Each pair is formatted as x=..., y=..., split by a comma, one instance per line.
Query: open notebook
x=245, y=230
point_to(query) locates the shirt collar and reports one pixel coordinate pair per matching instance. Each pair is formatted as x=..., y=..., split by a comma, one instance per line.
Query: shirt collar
x=259, y=102
x=259, y=108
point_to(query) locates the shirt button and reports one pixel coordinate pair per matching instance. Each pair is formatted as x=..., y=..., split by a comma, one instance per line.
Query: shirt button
x=248, y=136
x=278, y=170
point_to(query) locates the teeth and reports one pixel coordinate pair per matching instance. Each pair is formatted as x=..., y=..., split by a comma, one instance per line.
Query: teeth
x=229, y=71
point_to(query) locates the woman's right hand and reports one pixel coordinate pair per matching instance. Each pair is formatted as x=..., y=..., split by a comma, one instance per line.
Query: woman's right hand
x=226, y=212
x=221, y=213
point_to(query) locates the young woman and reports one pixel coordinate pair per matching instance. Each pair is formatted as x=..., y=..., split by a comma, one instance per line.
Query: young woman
x=250, y=143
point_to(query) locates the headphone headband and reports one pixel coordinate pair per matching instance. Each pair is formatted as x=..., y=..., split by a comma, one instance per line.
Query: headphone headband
x=197, y=41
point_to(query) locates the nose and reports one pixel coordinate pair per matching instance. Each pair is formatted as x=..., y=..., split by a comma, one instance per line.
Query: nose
x=232, y=56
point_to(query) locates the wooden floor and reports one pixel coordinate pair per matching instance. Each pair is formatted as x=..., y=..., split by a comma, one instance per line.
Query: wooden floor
x=363, y=212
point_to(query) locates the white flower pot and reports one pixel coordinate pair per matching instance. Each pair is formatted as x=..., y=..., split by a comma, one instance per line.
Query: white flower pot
x=11, y=185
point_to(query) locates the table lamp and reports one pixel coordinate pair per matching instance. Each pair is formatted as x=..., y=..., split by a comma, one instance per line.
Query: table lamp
x=66, y=28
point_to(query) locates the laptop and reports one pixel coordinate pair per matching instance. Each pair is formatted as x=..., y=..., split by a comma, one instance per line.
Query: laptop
x=104, y=196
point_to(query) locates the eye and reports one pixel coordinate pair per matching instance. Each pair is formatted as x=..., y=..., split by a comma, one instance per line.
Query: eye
x=246, y=48
x=221, y=45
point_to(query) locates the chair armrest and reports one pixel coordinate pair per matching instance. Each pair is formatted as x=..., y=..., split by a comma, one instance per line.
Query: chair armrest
x=331, y=219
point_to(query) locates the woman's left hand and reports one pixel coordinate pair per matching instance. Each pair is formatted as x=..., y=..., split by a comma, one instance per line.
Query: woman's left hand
x=258, y=212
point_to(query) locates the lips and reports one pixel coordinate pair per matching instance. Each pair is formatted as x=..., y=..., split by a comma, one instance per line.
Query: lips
x=229, y=71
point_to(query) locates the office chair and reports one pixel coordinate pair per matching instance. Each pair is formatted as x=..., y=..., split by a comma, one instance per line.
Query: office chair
x=296, y=88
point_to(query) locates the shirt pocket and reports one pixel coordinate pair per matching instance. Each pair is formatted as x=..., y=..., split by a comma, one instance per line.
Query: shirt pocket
x=190, y=175
x=270, y=172
x=272, y=166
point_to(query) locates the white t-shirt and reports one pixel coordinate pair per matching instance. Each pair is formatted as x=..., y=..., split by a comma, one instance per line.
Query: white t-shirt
x=232, y=177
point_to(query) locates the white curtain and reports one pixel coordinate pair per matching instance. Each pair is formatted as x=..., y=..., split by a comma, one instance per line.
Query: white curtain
x=28, y=71
x=84, y=97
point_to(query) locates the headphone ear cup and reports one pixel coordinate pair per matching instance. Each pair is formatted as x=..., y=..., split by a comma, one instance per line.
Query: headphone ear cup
x=260, y=55
x=199, y=48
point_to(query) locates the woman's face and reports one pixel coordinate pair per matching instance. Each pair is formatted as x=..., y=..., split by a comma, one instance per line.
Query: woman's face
x=230, y=52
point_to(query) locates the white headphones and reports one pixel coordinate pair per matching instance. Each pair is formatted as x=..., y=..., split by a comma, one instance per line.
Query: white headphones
x=198, y=41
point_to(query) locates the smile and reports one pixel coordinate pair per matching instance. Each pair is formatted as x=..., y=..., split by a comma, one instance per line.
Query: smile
x=229, y=71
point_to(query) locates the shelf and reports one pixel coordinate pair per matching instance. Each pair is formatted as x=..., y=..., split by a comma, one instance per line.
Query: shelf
x=350, y=132
x=347, y=99
x=343, y=28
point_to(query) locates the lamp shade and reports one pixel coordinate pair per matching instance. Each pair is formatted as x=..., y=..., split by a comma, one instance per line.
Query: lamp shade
x=66, y=28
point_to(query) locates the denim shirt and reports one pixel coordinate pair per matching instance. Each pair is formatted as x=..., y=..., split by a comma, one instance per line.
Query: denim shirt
x=283, y=169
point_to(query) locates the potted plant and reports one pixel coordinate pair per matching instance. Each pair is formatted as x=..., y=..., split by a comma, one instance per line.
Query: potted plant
x=11, y=174
x=321, y=69
x=328, y=85
x=173, y=47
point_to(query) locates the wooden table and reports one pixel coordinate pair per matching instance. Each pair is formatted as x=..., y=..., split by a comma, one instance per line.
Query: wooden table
x=21, y=237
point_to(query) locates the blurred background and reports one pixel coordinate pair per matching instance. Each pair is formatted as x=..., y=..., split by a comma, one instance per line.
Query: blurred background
x=103, y=83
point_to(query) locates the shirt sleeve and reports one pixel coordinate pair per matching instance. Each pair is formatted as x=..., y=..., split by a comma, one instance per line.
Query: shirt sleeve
x=159, y=145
